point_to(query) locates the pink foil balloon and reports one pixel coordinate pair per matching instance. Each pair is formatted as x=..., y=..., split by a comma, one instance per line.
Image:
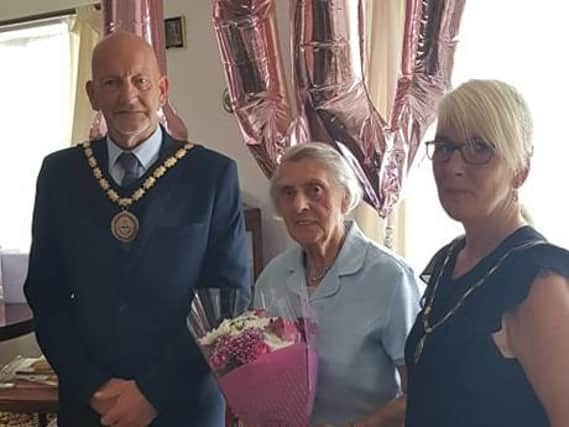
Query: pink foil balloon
x=146, y=19
x=247, y=37
x=332, y=101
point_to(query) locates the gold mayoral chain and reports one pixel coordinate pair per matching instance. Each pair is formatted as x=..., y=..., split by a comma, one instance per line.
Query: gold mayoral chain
x=429, y=327
x=124, y=224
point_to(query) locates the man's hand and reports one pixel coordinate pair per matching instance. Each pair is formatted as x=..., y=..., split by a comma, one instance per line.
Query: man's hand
x=102, y=404
x=129, y=409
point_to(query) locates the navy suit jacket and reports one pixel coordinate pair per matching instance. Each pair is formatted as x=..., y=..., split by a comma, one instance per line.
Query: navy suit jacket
x=105, y=309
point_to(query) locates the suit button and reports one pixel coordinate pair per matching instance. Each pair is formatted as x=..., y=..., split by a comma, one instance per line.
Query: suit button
x=122, y=307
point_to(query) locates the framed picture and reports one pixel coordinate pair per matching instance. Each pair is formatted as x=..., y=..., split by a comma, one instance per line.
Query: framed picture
x=174, y=29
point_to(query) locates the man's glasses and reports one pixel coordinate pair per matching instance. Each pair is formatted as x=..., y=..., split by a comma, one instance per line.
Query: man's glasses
x=474, y=152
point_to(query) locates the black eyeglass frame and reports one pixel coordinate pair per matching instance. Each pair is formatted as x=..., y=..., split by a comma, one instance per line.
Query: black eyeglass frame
x=431, y=149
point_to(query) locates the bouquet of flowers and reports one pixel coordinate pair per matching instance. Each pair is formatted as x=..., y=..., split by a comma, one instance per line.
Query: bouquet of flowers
x=265, y=359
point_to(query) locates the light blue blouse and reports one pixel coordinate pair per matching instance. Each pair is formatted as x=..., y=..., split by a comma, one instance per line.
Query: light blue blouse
x=365, y=306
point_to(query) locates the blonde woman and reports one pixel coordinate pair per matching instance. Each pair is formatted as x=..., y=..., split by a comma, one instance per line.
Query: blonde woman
x=491, y=344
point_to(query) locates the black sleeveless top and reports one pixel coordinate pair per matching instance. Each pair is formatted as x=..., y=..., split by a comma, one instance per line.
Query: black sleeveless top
x=461, y=378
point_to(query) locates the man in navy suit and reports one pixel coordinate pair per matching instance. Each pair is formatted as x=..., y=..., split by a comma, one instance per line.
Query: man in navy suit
x=124, y=229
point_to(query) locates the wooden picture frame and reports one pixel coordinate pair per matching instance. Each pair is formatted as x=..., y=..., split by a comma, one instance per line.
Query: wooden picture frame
x=175, y=32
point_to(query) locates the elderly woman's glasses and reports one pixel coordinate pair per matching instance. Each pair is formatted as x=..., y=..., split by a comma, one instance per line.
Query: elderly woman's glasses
x=474, y=152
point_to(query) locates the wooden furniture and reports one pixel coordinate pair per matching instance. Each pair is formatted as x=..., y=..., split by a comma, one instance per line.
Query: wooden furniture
x=24, y=397
x=253, y=225
x=15, y=320
x=29, y=398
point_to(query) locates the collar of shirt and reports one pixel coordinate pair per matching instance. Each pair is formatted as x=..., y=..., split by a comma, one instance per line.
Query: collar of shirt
x=350, y=260
x=146, y=153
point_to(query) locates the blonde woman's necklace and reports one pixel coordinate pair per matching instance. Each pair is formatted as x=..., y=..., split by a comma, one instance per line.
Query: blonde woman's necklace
x=430, y=326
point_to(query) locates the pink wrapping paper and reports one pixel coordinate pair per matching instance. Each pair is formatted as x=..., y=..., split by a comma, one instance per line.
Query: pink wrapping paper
x=281, y=403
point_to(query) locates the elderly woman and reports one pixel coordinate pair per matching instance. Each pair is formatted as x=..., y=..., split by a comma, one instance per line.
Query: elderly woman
x=365, y=298
x=491, y=344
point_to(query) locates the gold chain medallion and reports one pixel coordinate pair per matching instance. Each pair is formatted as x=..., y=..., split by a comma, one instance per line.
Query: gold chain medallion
x=124, y=224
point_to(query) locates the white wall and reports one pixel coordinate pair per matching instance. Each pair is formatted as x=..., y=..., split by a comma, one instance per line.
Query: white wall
x=196, y=87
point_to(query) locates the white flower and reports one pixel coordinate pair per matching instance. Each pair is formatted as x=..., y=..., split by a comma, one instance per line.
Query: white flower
x=247, y=320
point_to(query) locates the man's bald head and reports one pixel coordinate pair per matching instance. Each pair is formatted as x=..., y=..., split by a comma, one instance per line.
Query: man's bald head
x=127, y=87
x=115, y=45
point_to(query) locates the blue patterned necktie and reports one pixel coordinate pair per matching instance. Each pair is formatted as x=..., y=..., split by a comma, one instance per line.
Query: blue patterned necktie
x=129, y=162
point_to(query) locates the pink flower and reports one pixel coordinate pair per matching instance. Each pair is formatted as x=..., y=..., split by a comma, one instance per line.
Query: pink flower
x=262, y=313
x=253, y=352
x=221, y=355
x=248, y=346
x=239, y=350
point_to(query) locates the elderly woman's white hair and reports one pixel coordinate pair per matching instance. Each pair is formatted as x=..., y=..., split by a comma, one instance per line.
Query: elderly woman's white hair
x=338, y=169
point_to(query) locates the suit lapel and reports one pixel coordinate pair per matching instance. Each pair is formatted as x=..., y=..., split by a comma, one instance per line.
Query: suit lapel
x=100, y=209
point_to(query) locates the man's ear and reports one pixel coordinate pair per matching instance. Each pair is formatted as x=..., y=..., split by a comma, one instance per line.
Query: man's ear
x=91, y=94
x=163, y=87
